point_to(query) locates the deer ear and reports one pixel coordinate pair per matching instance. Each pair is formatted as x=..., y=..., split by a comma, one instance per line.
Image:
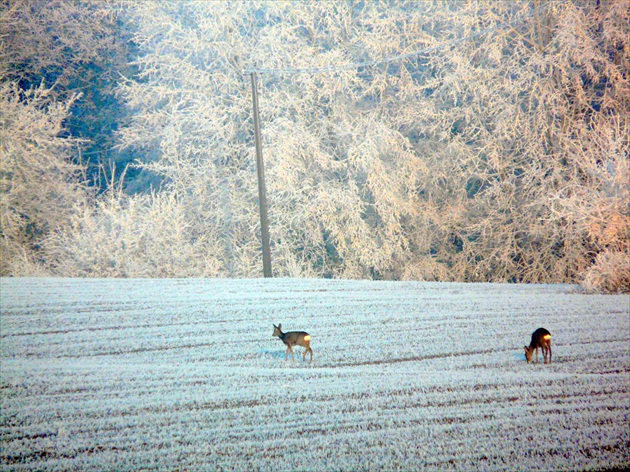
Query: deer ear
x=525, y=348
x=279, y=325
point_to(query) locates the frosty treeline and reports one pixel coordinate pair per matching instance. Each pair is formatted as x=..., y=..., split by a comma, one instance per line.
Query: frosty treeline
x=433, y=140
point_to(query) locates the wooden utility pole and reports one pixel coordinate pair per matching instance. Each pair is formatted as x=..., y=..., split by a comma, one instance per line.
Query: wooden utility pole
x=262, y=192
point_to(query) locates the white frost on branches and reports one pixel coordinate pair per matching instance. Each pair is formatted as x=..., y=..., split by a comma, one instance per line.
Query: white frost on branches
x=502, y=157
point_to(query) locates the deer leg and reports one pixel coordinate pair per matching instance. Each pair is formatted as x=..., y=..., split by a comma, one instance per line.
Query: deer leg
x=549, y=352
x=307, y=351
x=289, y=350
x=536, y=354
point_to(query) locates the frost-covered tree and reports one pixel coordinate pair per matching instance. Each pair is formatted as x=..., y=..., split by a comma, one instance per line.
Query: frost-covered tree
x=341, y=179
x=40, y=187
x=530, y=119
x=461, y=163
x=79, y=50
x=477, y=141
x=140, y=235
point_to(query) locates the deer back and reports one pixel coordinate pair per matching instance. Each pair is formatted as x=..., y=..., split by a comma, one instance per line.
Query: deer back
x=540, y=338
x=299, y=338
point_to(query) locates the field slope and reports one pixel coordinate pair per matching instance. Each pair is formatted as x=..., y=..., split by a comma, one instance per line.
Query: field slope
x=184, y=375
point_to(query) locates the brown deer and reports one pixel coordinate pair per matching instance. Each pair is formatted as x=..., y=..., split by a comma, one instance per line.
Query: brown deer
x=541, y=338
x=294, y=338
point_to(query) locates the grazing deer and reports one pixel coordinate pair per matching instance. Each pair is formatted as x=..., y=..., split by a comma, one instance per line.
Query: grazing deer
x=294, y=338
x=541, y=338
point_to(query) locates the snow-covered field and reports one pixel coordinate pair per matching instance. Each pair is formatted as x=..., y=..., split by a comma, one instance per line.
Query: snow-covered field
x=185, y=375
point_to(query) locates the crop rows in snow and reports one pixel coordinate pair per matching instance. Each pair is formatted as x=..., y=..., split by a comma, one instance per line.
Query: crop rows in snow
x=184, y=374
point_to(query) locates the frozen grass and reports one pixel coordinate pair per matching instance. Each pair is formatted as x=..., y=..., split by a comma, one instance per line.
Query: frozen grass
x=184, y=374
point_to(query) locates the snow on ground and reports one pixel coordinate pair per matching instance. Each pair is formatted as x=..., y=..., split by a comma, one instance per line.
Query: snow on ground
x=185, y=375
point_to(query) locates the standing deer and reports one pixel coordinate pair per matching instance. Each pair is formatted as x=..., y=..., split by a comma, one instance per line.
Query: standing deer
x=541, y=338
x=294, y=338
